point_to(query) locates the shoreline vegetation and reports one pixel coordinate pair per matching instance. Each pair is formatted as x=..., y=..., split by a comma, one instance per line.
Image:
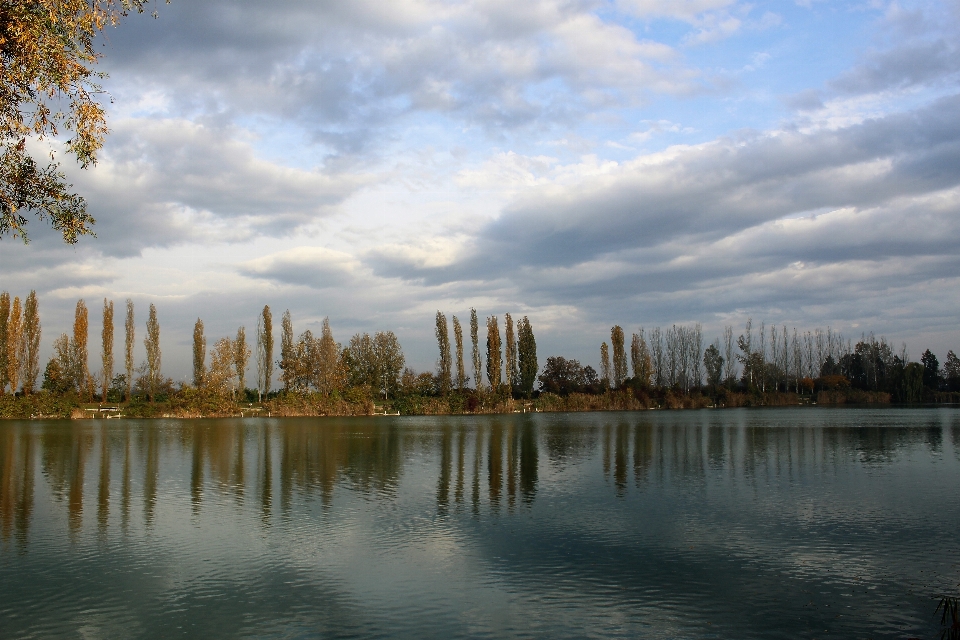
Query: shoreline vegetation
x=71, y=406
x=659, y=369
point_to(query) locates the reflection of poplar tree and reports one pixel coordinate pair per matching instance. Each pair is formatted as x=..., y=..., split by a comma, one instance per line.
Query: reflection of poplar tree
x=443, y=362
x=475, y=339
x=130, y=330
x=31, y=343
x=605, y=364
x=619, y=356
x=510, y=371
x=4, y=335
x=199, y=354
x=241, y=356
x=152, y=344
x=527, y=356
x=264, y=351
x=106, y=350
x=14, y=330
x=493, y=353
x=286, y=351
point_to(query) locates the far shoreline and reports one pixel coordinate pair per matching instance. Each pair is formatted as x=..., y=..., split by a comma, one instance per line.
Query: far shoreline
x=46, y=407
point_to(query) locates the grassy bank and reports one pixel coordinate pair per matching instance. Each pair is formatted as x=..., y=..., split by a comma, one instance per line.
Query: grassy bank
x=189, y=403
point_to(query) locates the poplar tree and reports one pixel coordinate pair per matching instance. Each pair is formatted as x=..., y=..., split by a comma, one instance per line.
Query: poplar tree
x=527, y=356
x=80, y=372
x=640, y=359
x=510, y=371
x=443, y=362
x=199, y=354
x=286, y=351
x=31, y=343
x=106, y=351
x=461, y=370
x=493, y=353
x=475, y=339
x=56, y=377
x=605, y=364
x=619, y=356
x=152, y=344
x=241, y=356
x=130, y=331
x=14, y=330
x=264, y=351
x=219, y=378
x=389, y=360
x=4, y=335
x=328, y=361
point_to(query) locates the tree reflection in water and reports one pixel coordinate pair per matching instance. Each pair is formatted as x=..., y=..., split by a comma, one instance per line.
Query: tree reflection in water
x=310, y=458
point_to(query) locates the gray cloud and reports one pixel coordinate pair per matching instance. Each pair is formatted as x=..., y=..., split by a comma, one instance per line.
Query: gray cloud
x=714, y=190
x=344, y=70
x=314, y=267
x=902, y=67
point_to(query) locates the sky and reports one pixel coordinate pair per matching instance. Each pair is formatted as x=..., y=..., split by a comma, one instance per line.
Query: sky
x=584, y=163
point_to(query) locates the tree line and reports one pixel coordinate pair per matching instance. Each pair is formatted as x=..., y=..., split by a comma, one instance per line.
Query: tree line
x=764, y=359
x=502, y=364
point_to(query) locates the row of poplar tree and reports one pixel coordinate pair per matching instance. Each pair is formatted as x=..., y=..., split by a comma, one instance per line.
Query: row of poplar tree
x=306, y=362
x=510, y=366
x=67, y=370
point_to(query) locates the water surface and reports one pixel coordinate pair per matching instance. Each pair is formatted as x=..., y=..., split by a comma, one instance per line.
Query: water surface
x=759, y=523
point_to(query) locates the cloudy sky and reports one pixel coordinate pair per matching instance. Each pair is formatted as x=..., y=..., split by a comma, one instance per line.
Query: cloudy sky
x=581, y=162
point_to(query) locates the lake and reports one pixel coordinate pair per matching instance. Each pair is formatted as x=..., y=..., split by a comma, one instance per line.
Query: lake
x=754, y=523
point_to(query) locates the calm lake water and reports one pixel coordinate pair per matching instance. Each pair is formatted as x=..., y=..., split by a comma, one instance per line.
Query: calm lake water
x=759, y=523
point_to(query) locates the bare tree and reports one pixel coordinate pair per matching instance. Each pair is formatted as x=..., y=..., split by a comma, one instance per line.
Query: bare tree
x=823, y=350
x=762, y=352
x=729, y=359
x=797, y=350
x=673, y=356
x=775, y=356
x=659, y=364
x=745, y=343
x=696, y=355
